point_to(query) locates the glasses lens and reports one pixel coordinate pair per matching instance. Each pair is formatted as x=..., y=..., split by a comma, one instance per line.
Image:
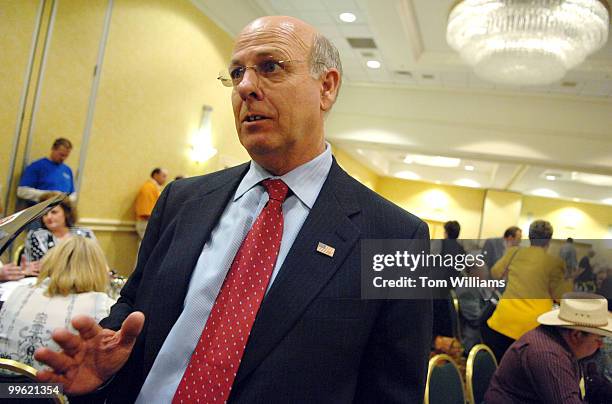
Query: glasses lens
x=269, y=67
x=224, y=78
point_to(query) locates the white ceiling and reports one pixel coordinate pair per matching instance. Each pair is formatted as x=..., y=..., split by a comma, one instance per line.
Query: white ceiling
x=425, y=100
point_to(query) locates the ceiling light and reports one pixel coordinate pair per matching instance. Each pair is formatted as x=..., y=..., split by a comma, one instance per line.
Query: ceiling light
x=551, y=177
x=607, y=201
x=408, y=175
x=545, y=192
x=592, y=179
x=527, y=42
x=373, y=64
x=347, y=17
x=469, y=168
x=576, y=199
x=467, y=182
x=434, y=161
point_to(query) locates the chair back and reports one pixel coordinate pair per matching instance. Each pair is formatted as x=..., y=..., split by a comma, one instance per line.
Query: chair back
x=455, y=315
x=25, y=374
x=481, y=365
x=444, y=382
x=19, y=251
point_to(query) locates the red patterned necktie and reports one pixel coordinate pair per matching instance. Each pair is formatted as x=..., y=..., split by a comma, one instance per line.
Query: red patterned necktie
x=216, y=358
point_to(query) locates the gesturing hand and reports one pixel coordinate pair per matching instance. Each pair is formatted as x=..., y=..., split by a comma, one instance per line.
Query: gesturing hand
x=90, y=358
x=10, y=272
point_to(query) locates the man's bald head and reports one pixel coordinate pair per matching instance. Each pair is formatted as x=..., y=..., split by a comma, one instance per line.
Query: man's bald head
x=322, y=54
x=302, y=32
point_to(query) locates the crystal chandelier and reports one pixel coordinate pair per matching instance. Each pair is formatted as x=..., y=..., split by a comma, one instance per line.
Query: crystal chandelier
x=527, y=42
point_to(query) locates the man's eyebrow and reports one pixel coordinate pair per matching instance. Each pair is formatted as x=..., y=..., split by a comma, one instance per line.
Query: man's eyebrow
x=263, y=54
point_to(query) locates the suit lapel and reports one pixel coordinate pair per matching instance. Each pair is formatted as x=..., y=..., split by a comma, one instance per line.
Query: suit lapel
x=195, y=221
x=304, y=272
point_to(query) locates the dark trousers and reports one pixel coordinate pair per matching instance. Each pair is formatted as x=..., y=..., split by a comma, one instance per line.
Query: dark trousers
x=499, y=343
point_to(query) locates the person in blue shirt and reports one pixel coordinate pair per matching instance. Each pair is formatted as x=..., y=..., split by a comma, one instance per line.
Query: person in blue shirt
x=48, y=174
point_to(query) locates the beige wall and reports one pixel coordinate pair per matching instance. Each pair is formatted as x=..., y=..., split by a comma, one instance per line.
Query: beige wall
x=501, y=210
x=160, y=68
x=437, y=203
x=362, y=173
x=17, y=22
x=68, y=75
x=569, y=219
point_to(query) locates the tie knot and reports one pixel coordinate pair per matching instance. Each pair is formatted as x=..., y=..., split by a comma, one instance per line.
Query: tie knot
x=276, y=189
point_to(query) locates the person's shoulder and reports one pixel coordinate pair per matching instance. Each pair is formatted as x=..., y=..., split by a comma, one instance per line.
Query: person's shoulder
x=195, y=186
x=553, y=260
x=38, y=233
x=544, y=340
x=66, y=168
x=41, y=162
x=82, y=231
x=147, y=185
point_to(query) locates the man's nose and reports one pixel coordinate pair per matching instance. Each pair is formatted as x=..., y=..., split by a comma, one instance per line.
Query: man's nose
x=249, y=85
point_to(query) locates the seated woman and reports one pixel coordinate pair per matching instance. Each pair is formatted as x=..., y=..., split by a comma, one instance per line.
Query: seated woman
x=73, y=280
x=58, y=225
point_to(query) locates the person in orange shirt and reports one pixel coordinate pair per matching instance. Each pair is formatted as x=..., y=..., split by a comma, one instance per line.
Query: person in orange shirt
x=147, y=197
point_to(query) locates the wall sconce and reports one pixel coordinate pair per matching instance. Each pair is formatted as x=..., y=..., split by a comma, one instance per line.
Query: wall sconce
x=202, y=149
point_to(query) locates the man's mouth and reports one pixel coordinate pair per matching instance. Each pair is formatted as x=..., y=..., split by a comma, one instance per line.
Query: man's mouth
x=253, y=118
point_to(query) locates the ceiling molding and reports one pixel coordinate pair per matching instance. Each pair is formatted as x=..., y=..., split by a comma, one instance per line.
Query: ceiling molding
x=232, y=18
x=519, y=172
x=410, y=24
x=501, y=92
x=344, y=141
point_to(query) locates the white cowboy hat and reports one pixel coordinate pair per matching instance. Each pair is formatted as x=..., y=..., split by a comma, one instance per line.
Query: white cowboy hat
x=581, y=311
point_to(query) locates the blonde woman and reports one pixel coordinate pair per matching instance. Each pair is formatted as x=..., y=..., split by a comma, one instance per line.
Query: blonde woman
x=73, y=280
x=534, y=280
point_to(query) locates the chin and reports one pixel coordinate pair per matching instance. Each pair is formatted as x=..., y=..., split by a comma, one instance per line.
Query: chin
x=259, y=143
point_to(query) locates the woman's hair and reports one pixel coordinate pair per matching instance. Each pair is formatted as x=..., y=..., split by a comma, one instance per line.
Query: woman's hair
x=75, y=265
x=69, y=210
x=540, y=233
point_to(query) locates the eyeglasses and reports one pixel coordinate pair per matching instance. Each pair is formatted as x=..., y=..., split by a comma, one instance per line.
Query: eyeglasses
x=270, y=69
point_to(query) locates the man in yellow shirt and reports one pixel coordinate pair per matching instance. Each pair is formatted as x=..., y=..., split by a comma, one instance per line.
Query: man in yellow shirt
x=147, y=197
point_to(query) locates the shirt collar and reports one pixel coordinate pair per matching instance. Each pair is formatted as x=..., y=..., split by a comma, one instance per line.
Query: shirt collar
x=304, y=181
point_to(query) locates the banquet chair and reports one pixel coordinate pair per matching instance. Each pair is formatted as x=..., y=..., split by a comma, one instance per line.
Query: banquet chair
x=481, y=365
x=444, y=382
x=25, y=374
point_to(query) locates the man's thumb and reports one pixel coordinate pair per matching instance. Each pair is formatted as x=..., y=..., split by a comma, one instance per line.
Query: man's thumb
x=131, y=327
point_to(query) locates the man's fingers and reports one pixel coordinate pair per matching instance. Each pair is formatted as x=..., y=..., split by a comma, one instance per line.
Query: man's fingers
x=131, y=328
x=47, y=376
x=58, y=361
x=86, y=326
x=68, y=341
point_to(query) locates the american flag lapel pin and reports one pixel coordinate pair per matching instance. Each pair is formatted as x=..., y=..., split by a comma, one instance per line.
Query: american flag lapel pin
x=326, y=249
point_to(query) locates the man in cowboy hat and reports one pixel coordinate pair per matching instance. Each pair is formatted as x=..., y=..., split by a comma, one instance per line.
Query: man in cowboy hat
x=542, y=366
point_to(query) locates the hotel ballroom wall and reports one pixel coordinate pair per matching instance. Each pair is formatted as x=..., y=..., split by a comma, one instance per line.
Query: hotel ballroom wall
x=160, y=66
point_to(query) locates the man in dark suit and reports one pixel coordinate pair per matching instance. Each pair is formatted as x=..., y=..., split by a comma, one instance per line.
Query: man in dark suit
x=495, y=248
x=247, y=287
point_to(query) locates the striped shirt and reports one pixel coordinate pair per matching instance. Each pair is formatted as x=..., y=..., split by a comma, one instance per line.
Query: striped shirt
x=538, y=368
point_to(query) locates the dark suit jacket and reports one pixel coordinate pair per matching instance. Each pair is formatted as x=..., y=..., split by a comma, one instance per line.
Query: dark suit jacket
x=314, y=338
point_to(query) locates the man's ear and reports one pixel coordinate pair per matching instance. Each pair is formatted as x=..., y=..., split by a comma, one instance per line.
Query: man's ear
x=576, y=336
x=329, y=89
